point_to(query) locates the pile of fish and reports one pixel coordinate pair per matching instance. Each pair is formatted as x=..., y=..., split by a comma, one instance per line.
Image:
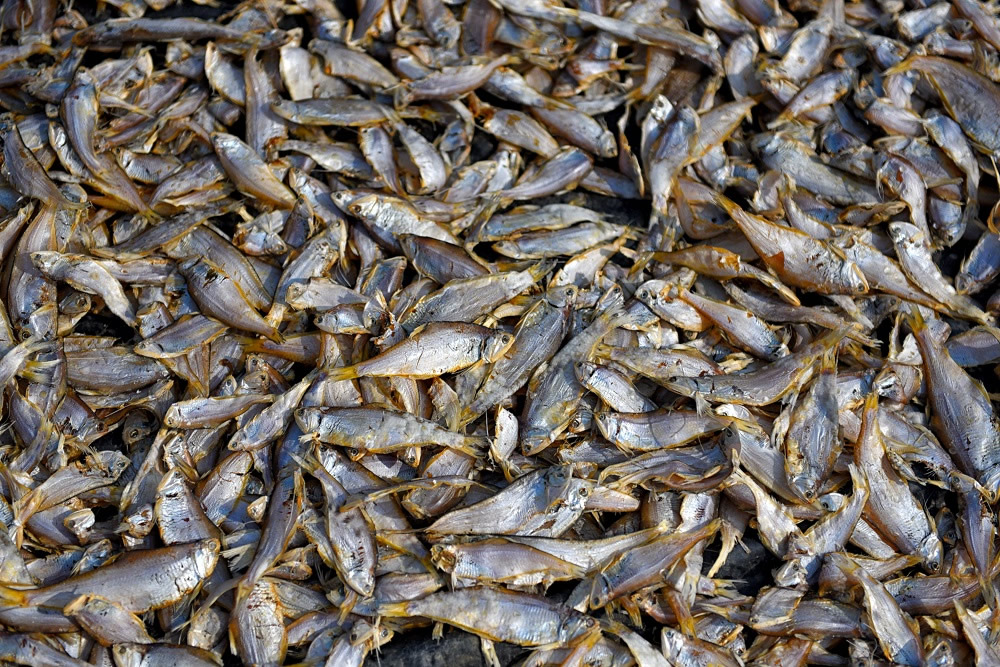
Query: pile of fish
x=328, y=325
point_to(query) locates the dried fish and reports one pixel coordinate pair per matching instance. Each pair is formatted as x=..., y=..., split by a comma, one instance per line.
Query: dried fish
x=324, y=324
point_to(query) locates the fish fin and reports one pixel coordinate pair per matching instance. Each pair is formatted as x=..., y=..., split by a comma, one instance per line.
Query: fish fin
x=702, y=406
x=150, y=214
x=276, y=315
x=489, y=652
x=682, y=611
x=833, y=338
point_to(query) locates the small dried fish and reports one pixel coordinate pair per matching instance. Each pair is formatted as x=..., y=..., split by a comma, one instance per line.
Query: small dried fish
x=324, y=326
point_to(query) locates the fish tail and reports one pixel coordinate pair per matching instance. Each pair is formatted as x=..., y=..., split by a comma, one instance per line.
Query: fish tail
x=745, y=425
x=276, y=315
x=473, y=446
x=351, y=600
x=339, y=373
x=916, y=319
x=393, y=609
x=726, y=203
x=12, y=596
x=829, y=360
x=682, y=611
x=858, y=478
x=72, y=205
x=989, y=592
x=38, y=371
x=541, y=269
x=903, y=66
x=307, y=461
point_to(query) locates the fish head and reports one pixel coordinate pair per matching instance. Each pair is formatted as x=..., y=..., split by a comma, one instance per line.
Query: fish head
x=48, y=261
x=903, y=232
x=607, y=425
x=496, y=345
x=584, y=370
x=206, y=557
x=361, y=579
x=672, y=643
x=931, y=551
x=444, y=556
x=575, y=625
x=308, y=419
x=600, y=592
x=792, y=574
x=563, y=295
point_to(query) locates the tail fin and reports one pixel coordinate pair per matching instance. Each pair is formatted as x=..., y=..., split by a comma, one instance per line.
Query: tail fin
x=13, y=596
x=38, y=371
x=916, y=319
x=66, y=202
x=682, y=611
x=216, y=594
x=871, y=401
x=391, y=609
x=340, y=373
x=541, y=269
x=351, y=599
x=274, y=335
x=904, y=66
